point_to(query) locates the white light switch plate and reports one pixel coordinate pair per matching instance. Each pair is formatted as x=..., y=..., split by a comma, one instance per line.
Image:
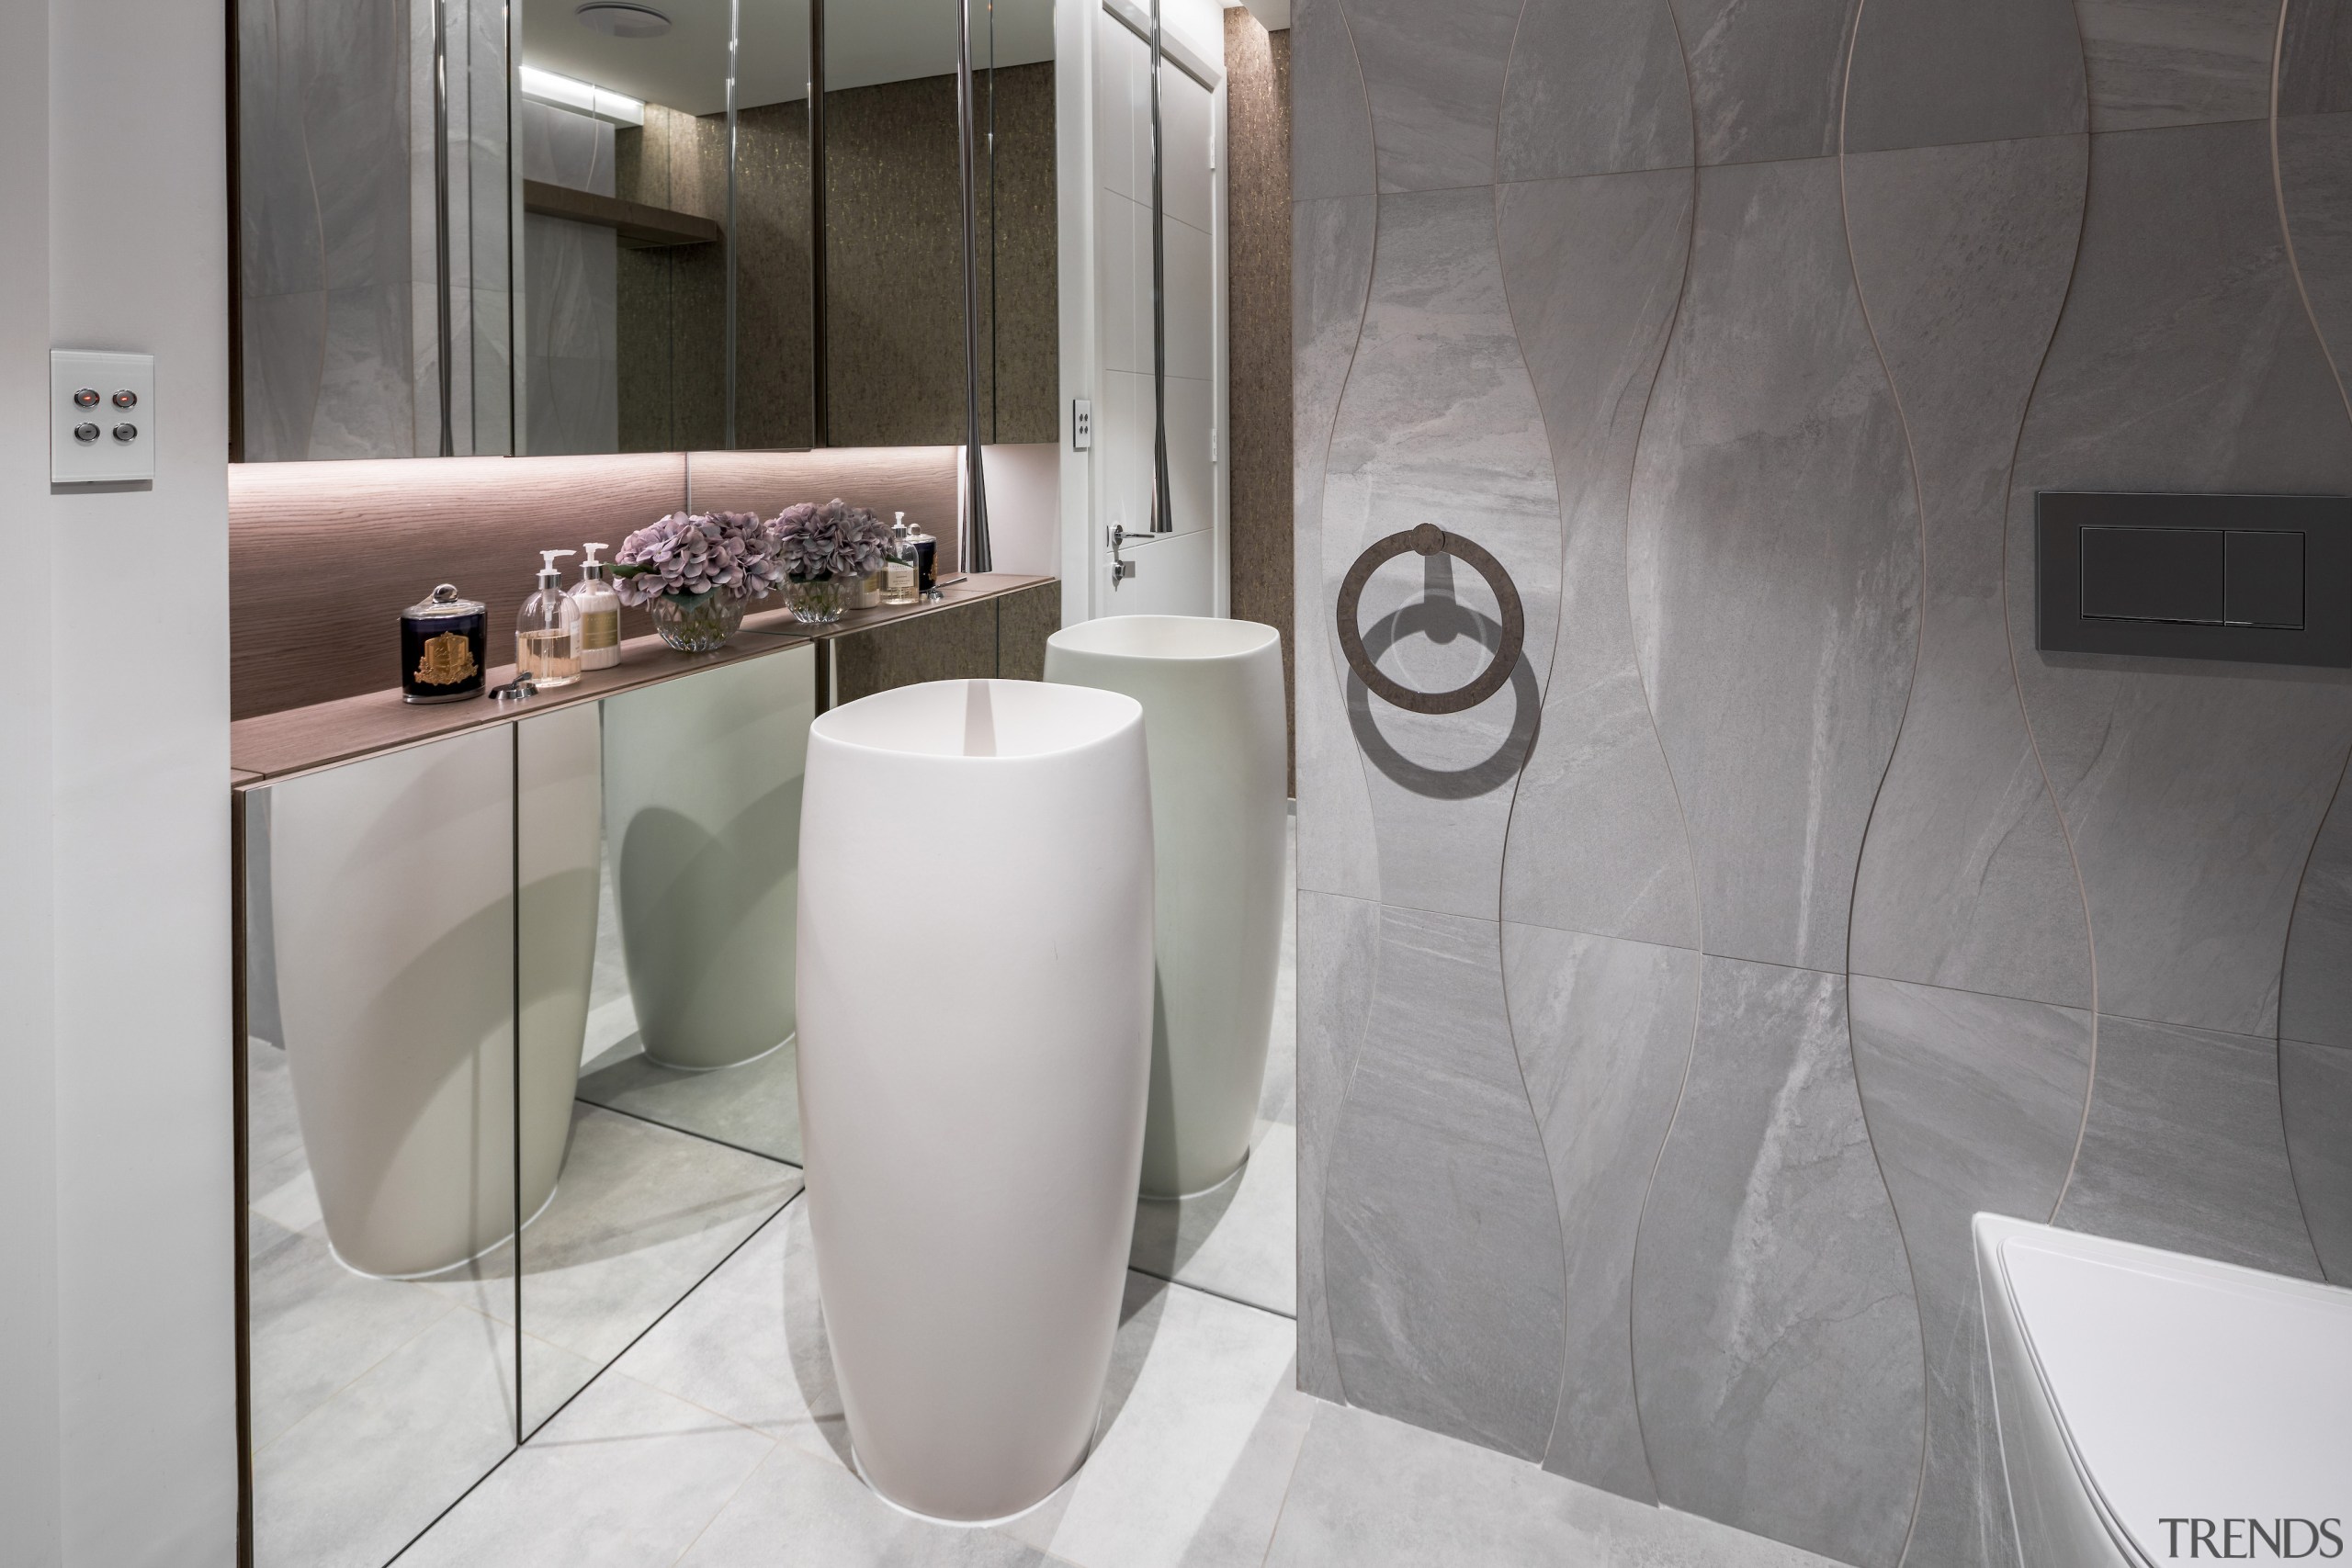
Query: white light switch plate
x=1082, y=423
x=75, y=461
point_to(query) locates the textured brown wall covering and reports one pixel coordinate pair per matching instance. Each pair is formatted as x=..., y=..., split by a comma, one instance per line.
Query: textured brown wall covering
x=1258, y=281
x=672, y=301
x=893, y=259
x=323, y=557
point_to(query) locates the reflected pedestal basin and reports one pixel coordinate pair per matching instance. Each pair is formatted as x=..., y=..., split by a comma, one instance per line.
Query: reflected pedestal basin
x=393, y=886
x=975, y=982
x=1212, y=696
x=702, y=801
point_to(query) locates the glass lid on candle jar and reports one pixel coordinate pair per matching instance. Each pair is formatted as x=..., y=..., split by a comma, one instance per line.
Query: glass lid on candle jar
x=441, y=602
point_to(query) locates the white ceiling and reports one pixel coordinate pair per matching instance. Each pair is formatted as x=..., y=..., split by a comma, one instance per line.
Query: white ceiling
x=866, y=41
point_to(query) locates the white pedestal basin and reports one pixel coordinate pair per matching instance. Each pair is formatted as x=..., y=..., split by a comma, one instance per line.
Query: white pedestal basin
x=392, y=886
x=975, y=979
x=702, y=792
x=1212, y=696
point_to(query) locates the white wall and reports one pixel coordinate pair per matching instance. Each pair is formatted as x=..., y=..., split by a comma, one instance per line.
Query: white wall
x=117, y=1386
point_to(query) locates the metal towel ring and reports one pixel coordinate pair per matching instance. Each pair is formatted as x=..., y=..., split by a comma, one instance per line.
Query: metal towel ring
x=1429, y=539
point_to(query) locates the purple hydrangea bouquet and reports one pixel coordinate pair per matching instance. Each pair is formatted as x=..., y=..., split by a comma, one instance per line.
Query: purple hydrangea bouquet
x=694, y=572
x=824, y=549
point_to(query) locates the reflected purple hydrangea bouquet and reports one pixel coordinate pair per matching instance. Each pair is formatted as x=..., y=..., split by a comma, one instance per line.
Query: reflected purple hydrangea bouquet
x=689, y=554
x=834, y=541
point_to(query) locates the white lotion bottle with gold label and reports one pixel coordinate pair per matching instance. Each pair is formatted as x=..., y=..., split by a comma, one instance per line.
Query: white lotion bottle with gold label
x=600, y=612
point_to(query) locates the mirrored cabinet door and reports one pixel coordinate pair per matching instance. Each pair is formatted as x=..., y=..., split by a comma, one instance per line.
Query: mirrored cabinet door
x=380, y=1152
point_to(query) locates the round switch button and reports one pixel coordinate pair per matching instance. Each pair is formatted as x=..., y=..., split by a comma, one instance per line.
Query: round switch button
x=88, y=397
x=126, y=399
x=85, y=434
x=126, y=433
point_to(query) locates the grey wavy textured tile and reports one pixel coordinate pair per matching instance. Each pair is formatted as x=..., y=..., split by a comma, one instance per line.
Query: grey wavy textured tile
x=2316, y=58
x=1435, y=76
x=1773, y=557
x=2184, y=362
x=2184, y=1148
x=1331, y=248
x=1439, y=419
x=1765, y=79
x=1330, y=145
x=2315, y=1094
x=1596, y=86
x=1964, y=1519
x=2313, y=152
x=1443, y=1270
x=2158, y=62
x=1776, y=1345
x=1974, y=1105
x=1594, y=267
x=1339, y=942
x=1604, y=1031
x=1962, y=255
x=2316, y=981
x=1930, y=74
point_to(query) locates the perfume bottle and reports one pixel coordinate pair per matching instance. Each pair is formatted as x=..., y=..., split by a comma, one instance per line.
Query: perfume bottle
x=546, y=634
x=926, y=551
x=600, y=612
x=902, y=567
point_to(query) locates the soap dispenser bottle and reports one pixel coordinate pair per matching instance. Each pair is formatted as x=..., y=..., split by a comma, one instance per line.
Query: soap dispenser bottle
x=902, y=567
x=546, y=634
x=926, y=552
x=600, y=612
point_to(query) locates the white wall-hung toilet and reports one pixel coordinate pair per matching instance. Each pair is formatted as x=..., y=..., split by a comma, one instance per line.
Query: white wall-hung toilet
x=1212, y=696
x=975, y=979
x=2159, y=1408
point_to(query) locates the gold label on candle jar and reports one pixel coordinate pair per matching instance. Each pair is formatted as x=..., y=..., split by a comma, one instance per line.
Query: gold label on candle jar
x=448, y=659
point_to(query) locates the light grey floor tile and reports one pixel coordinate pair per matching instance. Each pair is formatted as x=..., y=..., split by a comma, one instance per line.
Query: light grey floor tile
x=316, y=1326
x=749, y=1343
x=1372, y=1493
x=799, y=1511
x=1201, y=1430
x=1240, y=1241
x=624, y=1476
x=352, y=1482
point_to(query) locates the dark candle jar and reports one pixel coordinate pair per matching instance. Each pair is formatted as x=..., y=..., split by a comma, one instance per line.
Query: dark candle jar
x=443, y=641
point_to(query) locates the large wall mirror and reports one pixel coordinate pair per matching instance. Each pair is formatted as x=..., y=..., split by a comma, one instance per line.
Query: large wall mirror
x=587, y=226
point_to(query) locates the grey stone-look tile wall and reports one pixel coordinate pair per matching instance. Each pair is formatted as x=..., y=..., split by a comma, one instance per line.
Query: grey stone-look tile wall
x=1665, y=1017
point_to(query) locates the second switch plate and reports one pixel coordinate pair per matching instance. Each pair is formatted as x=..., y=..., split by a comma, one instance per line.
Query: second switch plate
x=101, y=416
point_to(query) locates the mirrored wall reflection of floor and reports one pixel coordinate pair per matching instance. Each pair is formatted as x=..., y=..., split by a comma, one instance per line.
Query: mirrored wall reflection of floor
x=375, y=1402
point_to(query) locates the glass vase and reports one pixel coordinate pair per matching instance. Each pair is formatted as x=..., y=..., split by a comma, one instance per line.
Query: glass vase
x=817, y=601
x=696, y=622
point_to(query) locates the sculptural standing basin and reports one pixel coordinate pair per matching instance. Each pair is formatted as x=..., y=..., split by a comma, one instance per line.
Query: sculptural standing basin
x=975, y=988
x=1212, y=696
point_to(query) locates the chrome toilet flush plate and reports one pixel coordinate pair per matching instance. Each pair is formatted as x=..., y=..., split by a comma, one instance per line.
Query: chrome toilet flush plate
x=101, y=416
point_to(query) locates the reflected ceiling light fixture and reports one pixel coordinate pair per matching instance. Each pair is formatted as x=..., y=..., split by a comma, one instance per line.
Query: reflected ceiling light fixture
x=622, y=18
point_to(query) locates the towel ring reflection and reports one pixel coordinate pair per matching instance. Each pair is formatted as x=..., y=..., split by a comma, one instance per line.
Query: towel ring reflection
x=1429, y=539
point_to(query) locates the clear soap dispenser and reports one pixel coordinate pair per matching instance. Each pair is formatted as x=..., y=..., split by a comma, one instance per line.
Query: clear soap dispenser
x=600, y=612
x=902, y=567
x=546, y=634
